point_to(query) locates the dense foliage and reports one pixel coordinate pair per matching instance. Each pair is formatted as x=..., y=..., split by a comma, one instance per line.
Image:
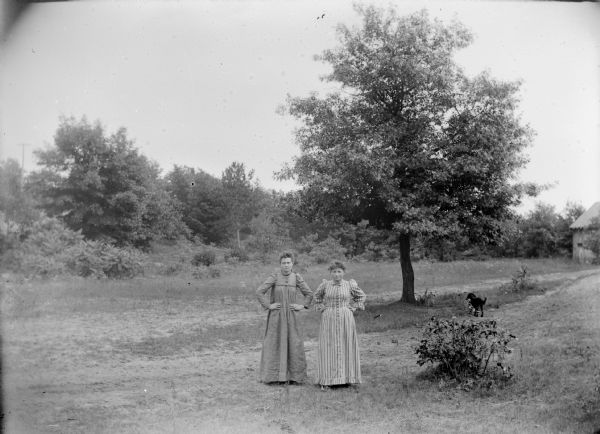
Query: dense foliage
x=51, y=249
x=542, y=232
x=465, y=350
x=17, y=207
x=200, y=194
x=100, y=184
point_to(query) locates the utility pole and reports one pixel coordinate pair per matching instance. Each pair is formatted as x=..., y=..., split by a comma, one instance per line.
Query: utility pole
x=22, y=145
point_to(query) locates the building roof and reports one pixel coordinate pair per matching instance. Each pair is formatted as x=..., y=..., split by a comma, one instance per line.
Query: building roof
x=587, y=218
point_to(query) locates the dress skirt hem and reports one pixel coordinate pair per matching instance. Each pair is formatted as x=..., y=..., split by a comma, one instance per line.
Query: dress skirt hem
x=338, y=381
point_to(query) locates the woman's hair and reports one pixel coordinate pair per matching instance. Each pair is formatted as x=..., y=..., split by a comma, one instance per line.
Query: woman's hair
x=286, y=254
x=335, y=265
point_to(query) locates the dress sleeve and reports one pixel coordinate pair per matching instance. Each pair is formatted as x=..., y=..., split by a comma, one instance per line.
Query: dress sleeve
x=357, y=294
x=262, y=291
x=319, y=295
x=305, y=290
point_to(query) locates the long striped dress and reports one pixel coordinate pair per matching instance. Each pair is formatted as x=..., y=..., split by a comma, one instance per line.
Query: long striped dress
x=338, y=354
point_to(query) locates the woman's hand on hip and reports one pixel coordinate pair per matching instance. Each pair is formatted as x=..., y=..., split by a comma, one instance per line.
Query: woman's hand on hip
x=275, y=306
x=296, y=307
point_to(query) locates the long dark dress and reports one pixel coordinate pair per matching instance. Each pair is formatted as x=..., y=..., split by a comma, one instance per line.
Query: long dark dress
x=282, y=357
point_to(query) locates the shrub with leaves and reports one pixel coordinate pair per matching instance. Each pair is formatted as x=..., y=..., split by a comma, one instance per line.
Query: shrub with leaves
x=49, y=236
x=374, y=252
x=86, y=259
x=52, y=249
x=206, y=272
x=170, y=269
x=238, y=253
x=465, y=350
x=44, y=250
x=121, y=262
x=97, y=259
x=321, y=252
x=206, y=257
x=326, y=250
x=38, y=265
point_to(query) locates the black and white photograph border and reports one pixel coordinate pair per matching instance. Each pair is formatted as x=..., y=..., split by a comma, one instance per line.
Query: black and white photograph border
x=158, y=159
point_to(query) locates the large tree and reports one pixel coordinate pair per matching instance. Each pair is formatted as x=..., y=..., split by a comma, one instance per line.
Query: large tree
x=409, y=142
x=100, y=184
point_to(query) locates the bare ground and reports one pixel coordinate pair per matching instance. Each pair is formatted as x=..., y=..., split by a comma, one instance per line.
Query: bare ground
x=148, y=371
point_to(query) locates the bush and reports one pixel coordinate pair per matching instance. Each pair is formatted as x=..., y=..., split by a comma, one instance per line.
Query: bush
x=50, y=237
x=86, y=259
x=236, y=252
x=38, y=265
x=374, y=252
x=464, y=350
x=206, y=272
x=121, y=263
x=328, y=249
x=97, y=259
x=52, y=249
x=43, y=252
x=206, y=257
x=170, y=269
x=323, y=251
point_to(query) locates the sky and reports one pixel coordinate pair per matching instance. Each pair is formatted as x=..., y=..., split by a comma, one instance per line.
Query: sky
x=199, y=83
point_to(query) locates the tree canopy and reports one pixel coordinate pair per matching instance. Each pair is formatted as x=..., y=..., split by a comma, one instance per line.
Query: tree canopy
x=409, y=142
x=242, y=196
x=204, y=207
x=101, y=185
x=17, y=207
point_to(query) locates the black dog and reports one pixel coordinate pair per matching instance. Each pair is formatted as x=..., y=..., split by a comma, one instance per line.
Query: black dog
x=476, y=303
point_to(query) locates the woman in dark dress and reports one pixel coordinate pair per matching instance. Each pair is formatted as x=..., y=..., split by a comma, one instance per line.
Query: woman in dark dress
x=284, y=294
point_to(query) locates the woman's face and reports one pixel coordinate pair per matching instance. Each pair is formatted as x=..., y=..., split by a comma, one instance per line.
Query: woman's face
x=337, y=274
x=286, y=265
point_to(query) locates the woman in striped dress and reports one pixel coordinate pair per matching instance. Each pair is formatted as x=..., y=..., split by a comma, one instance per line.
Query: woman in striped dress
x=338, y=355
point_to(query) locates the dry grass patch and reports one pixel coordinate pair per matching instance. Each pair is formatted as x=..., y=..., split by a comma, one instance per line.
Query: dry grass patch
x=159, y=355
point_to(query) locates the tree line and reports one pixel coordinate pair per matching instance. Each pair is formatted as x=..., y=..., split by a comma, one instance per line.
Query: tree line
x=102, y=186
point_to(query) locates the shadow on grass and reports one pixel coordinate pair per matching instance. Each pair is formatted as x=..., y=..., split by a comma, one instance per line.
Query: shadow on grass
x=398, y=315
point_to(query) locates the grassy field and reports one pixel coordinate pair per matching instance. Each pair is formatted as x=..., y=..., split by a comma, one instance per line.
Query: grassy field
x=176, y=354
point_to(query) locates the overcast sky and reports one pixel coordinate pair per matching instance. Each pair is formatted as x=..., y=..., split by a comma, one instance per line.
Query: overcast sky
x=198, y=84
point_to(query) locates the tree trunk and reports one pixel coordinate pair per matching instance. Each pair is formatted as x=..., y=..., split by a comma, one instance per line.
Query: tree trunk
x=408, y=276
x=238, y=239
